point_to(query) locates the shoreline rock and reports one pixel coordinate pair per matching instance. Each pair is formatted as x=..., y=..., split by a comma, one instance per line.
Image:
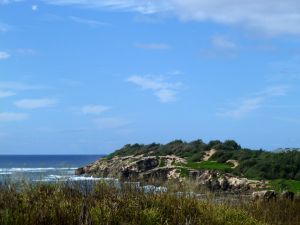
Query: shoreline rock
x=164, y=168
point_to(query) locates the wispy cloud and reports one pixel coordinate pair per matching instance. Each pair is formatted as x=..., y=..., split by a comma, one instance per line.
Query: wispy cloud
x=4, y=27
x=12, y=116
x=34, y=7
x=152, y=46
x=107, y=122
x=94, y=109
x=4, y=55
x=269, y=18
x=274, y=91
x=3, y=2
x=220, y=46
x=88, y=22
x=4, y=94
x=110, y=122
x=142, y=6
x=165, y=91
x=36, y=103
x=253, y=102
x=19, y=86
x=70, y=82
x=288, y=120
x=25, y=51
x=221, y=42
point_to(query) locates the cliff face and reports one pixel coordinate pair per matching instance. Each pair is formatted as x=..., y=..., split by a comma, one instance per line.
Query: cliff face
x=163, y=168
x=135, y=168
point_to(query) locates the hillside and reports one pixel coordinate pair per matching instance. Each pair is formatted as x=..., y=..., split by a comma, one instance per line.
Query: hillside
x=254, y=164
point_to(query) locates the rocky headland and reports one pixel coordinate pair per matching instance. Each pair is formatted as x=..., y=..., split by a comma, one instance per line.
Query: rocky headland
x=217, y=165
x=165, y=168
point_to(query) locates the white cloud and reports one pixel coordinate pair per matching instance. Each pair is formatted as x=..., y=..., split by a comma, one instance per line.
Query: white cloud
x=35, y=103
x=88, y=22
x=221, y=46
x=221, y=42
x=4, y=27
x=288, y=120
x=94, y=109
x=142, y=6
x=267, y=16
x=274, y=91
x=34, y=7
x=166, y=95
x=110, y=122
x=25, y=51
x=165, y=91
x=244, y=107
x=153, y=46
x=19, y=86
x=4, y=55
x=253, y=102
x=4, y=94
x=12, y=116
x=70, y=82
x=3, y=2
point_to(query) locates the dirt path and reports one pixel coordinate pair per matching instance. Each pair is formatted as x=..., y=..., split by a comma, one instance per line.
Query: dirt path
x=209, y=154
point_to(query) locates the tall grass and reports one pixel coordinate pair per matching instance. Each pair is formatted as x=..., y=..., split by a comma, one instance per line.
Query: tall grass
x=72, y=204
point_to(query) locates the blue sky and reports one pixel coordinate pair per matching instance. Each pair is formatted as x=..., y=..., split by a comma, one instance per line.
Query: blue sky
x=87, y=76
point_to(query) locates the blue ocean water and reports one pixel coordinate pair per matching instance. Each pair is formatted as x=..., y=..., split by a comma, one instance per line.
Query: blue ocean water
x=43, y=167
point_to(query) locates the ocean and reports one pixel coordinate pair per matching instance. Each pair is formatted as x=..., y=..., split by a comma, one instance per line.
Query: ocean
x=43, y=167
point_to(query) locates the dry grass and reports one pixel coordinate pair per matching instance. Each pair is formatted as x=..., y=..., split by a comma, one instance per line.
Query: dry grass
x=65, y=204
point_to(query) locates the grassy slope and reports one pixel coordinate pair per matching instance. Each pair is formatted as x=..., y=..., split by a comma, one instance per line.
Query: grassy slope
x=207, y=165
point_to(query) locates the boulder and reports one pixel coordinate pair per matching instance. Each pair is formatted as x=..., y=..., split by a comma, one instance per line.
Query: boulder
x=266, y=195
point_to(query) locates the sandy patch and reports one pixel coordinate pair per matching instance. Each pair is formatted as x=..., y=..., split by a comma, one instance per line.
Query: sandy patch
x=209, y=154
x=235, y=163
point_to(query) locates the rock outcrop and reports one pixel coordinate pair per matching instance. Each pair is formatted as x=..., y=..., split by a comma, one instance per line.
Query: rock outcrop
x=163, y=168
x=135, y=168
x=216, y=180
x=266, y=195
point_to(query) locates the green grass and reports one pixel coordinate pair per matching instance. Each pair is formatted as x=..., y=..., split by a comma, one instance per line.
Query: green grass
x=208, y=165
x=281, y=184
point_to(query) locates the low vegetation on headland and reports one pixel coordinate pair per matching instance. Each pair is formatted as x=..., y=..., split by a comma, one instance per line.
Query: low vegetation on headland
x=69, y=203
x=282, y=168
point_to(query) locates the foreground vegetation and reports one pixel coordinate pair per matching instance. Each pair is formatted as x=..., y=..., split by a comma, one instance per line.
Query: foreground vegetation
x=254, y=164
x=67, y=203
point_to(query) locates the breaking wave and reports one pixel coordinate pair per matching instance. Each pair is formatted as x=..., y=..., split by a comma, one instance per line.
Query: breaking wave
x=33, y=170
